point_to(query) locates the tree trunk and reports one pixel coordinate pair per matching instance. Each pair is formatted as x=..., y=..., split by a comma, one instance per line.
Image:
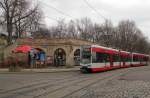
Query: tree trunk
x=9, y=30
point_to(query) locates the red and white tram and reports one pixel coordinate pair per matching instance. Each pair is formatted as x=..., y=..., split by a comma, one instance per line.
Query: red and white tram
x=96, y=58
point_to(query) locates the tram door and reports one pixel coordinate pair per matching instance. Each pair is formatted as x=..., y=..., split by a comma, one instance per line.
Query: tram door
x=111, y=60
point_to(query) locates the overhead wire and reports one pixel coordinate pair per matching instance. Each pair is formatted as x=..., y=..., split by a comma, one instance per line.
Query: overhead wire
x=65, y=14
x=52, y=18
x=90, y=6
x=57, y=10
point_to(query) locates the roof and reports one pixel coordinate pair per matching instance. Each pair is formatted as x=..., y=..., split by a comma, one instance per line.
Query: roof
x=104, y=47
x=117, y=50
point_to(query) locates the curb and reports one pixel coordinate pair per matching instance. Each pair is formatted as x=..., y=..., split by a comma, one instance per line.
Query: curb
x=35, y=71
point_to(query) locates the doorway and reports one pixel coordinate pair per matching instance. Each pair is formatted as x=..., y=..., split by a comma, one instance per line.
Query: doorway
x=59, y=57
x=77, y=57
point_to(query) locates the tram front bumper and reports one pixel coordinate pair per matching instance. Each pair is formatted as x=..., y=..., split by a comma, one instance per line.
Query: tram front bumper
x=85, y=69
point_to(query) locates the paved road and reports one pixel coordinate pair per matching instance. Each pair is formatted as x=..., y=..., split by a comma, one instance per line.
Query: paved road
x=122, y=83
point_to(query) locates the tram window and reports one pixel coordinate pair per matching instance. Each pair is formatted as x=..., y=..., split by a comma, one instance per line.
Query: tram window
x=99, y=57
x=141, y=59
x=145, y=59
x=86, y=56
x=136, y=59
x=116, y=58
x=128, y=59
x=94, y=57
x=124, y=59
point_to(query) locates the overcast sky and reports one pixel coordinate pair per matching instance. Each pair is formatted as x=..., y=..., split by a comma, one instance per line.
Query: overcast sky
x=115, y=10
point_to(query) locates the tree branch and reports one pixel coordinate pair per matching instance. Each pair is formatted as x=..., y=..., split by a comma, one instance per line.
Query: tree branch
x=1, y=4
x=30, y=13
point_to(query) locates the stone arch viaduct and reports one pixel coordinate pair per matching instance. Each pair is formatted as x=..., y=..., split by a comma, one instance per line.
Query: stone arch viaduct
x=49, y=46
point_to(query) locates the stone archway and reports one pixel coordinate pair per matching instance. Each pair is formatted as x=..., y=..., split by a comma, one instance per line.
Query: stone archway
x=37, y=58
x=59, y=57
x=77, y=57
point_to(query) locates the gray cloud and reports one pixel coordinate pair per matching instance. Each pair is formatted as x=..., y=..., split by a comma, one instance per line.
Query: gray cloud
x=116, y=10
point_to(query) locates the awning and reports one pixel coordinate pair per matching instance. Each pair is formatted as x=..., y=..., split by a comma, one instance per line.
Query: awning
x=22, y=49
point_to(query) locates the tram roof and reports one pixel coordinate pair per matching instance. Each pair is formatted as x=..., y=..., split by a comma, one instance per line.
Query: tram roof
x=108, y=48
x=97, y=46
x=140, y=54
x=125, y=51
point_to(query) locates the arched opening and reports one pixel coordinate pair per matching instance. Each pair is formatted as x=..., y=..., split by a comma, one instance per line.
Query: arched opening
x=37, y=58
x=59, y=57
x=77, y=57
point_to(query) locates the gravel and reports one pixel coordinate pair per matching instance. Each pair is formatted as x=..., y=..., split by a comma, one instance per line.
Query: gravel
x=116, y=88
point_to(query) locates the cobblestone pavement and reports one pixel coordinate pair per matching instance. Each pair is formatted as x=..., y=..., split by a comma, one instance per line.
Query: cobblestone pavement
x=121, y=83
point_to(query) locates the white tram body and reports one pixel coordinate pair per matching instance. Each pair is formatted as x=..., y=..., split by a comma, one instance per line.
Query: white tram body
x=96, y=58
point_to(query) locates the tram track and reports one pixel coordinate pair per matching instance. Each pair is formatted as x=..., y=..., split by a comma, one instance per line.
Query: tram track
x=35, y=84
x=76, y=83
x=41, y=85
x=63, y=85
x=103, y=80
x=79, y=88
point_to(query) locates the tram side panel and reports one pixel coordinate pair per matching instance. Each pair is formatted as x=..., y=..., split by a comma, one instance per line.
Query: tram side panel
x=136, y=60
x=139, y=60
x=96, y=59
x=104, y=60
x=100, y=61
x=125, y=59
x=146, y=59
x=116, y=60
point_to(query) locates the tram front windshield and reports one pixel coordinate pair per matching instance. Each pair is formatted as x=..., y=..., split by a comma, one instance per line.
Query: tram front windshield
x=86, y=55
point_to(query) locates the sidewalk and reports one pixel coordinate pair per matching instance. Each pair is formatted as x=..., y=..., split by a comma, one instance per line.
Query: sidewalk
x=42, y=70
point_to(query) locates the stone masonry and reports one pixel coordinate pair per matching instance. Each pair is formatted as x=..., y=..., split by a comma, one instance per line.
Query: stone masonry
x=49, y=46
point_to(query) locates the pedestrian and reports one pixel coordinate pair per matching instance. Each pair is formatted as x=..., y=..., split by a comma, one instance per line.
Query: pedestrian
x=42, y=57
x=32, y=58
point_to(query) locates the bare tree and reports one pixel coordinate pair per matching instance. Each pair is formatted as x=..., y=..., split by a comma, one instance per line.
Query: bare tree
x=126, y=32
x=107, y=33
x=86, y=28
x=98, y=32
x=15, y=11
x=31, y=23
x=71, y=29
x=126, y=36
x=42, y=32
x=103, y=34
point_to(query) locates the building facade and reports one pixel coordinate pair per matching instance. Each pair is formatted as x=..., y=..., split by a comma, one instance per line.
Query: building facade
x=58, y=51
